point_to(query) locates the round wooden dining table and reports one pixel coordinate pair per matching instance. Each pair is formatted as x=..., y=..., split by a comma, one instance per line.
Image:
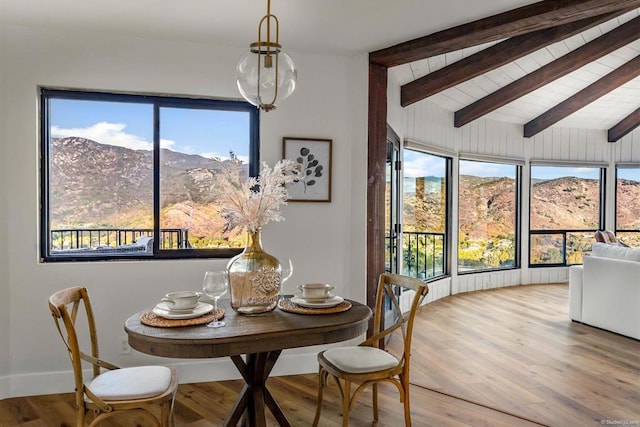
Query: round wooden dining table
x=261, y=338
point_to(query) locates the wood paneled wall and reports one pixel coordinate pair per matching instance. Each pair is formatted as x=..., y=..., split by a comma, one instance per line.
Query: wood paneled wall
x=432, y=125
x=628, y=148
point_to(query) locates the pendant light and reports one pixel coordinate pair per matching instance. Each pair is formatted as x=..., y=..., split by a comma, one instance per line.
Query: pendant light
x=266, y=74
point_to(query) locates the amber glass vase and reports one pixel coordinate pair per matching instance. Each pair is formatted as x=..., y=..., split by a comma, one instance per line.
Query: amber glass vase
x=254, y=278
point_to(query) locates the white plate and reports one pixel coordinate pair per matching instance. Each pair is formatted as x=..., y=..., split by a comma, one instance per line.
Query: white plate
x=331, y=302
x=163, y=305
x=320, y=299
x=163, y=310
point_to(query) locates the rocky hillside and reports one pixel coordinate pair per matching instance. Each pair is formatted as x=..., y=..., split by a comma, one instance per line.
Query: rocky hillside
x=564, y=203
x=629, y=202
x=98, y=185
x=488, y=202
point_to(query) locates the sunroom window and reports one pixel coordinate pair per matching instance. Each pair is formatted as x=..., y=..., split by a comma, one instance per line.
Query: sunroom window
x=129, y=176
x=565, y=212
x=488, y=215
x=627, y=205
x=425, y=227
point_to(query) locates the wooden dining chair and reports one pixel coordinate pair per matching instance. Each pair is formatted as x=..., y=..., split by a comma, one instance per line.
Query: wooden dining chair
x=115, y=390
x=375, y=360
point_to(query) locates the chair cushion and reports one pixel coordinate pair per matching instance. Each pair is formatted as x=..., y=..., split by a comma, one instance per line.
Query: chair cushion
x=131, y=383
x=360, y=359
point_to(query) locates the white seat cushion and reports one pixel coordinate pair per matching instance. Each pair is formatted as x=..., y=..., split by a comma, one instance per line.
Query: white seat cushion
x=131, y=383
x=360, y=359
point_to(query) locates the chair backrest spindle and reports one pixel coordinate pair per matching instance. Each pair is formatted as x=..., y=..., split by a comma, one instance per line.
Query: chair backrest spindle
x=71, y=309
x=402, y=320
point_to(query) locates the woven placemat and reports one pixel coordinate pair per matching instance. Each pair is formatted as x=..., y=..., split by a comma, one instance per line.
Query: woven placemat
x=151, y=319
x=287, y=305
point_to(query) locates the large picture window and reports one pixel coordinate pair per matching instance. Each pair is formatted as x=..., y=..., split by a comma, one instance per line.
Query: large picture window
x=488, y=200
x=565, y=213
x=628, y=205
x=425, y=212
x=128, y=175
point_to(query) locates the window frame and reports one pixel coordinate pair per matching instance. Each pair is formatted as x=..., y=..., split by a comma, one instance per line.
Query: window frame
x=447, y=238
x=617, y=230
x=157, y=102
x=518, y=165
x=601, y=213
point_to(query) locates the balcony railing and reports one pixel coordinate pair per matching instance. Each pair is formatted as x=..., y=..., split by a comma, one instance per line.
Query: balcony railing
x=423, y=254
x=88, y=238
x=559, y=247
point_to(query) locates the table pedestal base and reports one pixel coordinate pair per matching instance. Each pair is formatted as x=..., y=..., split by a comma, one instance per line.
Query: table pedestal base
x=255, y=395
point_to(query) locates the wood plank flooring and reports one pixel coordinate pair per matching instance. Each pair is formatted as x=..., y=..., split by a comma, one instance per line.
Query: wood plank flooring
x=504, y=357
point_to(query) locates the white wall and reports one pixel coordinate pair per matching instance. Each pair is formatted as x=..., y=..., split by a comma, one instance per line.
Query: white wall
x=431, y=125
x=5, y=348
x=328, y=103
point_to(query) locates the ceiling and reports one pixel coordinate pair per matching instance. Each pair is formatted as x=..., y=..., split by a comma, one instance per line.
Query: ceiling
x=349, y=27
x=583, y=73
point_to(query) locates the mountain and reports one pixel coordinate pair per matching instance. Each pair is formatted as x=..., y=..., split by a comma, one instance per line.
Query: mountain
x=423, y=204
x=99, y=185
x=565, y=203
x=628, y=195
x=487, y=205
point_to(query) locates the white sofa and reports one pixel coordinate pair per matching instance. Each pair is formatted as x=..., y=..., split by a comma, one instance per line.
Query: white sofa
x=605, y=291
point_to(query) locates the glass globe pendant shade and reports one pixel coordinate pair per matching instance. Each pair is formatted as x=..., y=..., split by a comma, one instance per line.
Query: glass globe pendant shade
x=266, y=75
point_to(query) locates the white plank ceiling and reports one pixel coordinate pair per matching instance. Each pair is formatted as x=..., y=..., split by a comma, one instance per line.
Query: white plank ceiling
x=601, y=114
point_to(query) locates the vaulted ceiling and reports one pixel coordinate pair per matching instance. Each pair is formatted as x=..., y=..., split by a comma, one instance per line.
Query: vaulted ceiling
x=572, y=63
x=500, y=41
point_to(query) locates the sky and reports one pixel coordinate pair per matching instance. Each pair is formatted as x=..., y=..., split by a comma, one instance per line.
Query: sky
x=211, y=133
x=208, y=133
x=418, y=164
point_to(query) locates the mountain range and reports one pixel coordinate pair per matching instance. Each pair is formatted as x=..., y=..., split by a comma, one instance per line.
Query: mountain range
x=487, y=205
x=98, y=185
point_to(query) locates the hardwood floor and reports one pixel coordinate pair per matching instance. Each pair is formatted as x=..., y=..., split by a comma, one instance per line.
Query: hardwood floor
x=504, y=357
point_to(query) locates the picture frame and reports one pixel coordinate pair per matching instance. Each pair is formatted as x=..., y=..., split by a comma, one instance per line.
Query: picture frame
x=314, y=157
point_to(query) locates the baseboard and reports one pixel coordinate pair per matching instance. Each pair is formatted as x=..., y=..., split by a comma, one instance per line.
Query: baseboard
x=220, y=369
x=4, y=387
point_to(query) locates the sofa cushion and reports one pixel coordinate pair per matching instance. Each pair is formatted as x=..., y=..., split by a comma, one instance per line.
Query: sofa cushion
x=604, y=250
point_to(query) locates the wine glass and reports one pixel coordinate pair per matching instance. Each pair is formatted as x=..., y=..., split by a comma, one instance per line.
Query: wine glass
x=286, y=270
x=214, y=285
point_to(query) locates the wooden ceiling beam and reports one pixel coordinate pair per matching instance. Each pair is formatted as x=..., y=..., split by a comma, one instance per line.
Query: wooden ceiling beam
x=601, y=87
x=523, y=20
x=494, y=57
x=625, y=126
x=607, y=43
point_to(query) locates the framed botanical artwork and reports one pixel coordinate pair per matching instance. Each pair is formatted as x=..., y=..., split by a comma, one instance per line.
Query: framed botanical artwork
x=314, y=159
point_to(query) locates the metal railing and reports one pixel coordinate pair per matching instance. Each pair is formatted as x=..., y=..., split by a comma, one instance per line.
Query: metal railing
x=559, y=247
x=74, y=238
x=423, y=254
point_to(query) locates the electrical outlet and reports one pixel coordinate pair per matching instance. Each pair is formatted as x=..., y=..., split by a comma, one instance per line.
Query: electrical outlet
x=125, y=348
